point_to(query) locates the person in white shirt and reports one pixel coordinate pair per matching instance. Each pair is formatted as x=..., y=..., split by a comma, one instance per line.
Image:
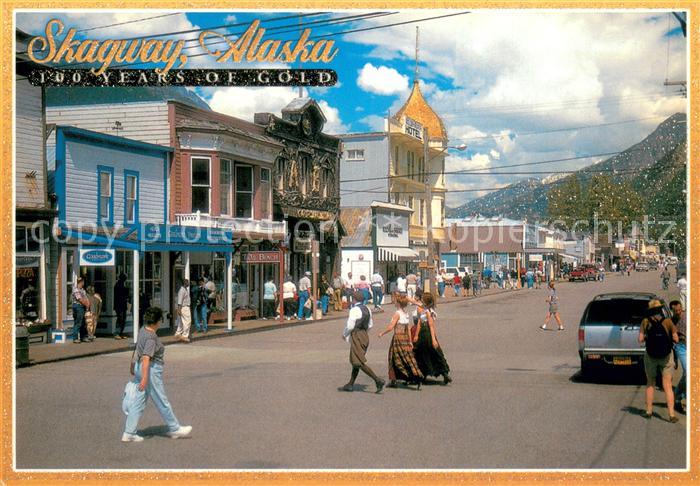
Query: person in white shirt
x=184, y=316
x=304, y=294
x=401, y=284
x=377, y=282
x=683, y=290
x=348, y=288
x=359, y=322
x=288, y=294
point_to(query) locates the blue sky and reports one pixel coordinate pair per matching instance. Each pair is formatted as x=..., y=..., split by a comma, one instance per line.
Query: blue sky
x=516, y=86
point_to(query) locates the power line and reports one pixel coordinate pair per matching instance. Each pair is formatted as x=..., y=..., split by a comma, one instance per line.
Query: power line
x=556, y=130
x=129, y=22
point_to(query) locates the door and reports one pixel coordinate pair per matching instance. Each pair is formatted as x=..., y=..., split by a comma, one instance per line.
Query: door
x=178, y=274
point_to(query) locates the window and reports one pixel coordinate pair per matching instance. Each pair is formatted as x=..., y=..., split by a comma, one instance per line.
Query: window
x=279, y=173
x=412, y=206
x=27, y=239
x=131, y=197
x=328, y=183
x=201, y=184
x=105, y=195
x=244, y=191
x=396, y=160
x=304, y=175
x=411, y=161
x=265, y=193
x=421, y=168
x=356, y=154
x=421, y=213
x=225, y=187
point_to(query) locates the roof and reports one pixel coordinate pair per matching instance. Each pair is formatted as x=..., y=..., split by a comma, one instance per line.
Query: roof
x=75, y=96
x=417, y=108
x=298, y=105
x=345, y=136
x=395, y=207
x=484, y=221
x=358, y=223
x=213, y=125
x=113, y=139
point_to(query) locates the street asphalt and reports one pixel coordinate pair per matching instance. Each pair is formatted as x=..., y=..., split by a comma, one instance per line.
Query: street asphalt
x=272, y=400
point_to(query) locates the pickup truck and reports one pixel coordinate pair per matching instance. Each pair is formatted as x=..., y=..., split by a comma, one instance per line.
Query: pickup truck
x=608, y=333
x=583, y=273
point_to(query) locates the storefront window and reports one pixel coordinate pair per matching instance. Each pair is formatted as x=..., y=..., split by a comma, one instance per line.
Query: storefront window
x=225, y=187
x=27, y=287
x=201, y=184
x=244, y=191
x=151, y=281
x=96, y=277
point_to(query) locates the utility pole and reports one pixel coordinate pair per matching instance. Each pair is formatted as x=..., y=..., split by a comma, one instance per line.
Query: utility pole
x=429, y=210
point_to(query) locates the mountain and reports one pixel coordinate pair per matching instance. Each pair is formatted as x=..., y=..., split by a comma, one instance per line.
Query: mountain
x=528, y=198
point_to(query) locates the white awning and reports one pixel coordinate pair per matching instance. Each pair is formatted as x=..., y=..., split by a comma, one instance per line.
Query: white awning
x=396, y=254
x=570, y=258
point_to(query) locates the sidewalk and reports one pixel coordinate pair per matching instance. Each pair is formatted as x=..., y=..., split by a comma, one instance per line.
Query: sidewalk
x=50, y=353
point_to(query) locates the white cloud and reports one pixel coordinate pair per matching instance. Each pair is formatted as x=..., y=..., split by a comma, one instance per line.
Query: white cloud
x=375, y=123
x=244, y=102
x=230, y=19
x=495, y=154
x=381, y=80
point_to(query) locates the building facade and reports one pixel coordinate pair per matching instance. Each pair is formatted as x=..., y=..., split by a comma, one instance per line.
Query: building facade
x=305, y=185
x=391, y=167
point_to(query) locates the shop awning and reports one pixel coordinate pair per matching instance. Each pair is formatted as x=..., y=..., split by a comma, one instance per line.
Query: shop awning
x=396, y=254
x=570, y=258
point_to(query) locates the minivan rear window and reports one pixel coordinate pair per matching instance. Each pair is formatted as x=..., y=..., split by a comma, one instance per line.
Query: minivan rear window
x=617, y=311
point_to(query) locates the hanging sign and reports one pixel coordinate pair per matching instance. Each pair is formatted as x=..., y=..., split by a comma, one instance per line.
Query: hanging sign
x=97, y=257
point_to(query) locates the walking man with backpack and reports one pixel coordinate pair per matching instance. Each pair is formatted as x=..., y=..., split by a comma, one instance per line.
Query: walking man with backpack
x=359, y=322
x=659, y=334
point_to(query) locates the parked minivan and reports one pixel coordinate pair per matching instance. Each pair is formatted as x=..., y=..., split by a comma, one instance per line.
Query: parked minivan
x=608, y=333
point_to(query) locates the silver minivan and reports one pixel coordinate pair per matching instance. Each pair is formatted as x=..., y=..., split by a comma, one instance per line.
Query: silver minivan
x=608, y=333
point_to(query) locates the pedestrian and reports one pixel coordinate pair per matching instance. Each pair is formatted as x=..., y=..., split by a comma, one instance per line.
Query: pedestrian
x=363, y=286
x=411, y=284
x=457, y=285
x=210, y=285
x=184, y=312
x=440, y=279
x=680, y=351
x=377, y=282
x=289, y=291
x=658, y=333
x=356, y=332
x=325, y=291
x=80, y=305
x=509, y=280
x=148, y=372
x=466, y=284
x=269, y=299
x=200, y=307
x=530, y=276
x=304, y=292
x=348, y=288
x=426, y=348
x=402, y=362
x=683, y=289
x=613, y=268
x=121, y=302
x=538, y=277
x=95, y=311
x=401, y=285
x=476, y=282
x=337, y=292
x=665, y=277
x=553, y=310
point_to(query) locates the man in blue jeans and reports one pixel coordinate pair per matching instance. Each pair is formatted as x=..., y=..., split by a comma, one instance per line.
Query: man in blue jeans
x=80, y=303
x=680, y=350
x=304, y=290
x=200, y=307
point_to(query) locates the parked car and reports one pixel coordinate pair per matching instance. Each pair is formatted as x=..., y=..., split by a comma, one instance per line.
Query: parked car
x=642, y=267
x=583, y=273
x=450, y=273
x=464, y=271
x=608, y=333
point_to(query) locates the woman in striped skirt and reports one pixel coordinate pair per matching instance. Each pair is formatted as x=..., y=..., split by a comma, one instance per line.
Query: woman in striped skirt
x=402, y=363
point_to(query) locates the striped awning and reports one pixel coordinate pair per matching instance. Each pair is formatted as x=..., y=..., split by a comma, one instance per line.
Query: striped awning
x=396, y=254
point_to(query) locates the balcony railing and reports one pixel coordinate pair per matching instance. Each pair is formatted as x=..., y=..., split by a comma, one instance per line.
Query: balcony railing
x=254, y=228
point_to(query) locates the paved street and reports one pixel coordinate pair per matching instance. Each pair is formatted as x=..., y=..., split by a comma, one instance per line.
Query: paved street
x=271, y=400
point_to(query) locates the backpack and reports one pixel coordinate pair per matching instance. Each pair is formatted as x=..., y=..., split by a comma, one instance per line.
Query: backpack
x=658, y=342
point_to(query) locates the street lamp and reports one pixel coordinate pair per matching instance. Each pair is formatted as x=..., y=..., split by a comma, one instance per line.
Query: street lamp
x=429, y=201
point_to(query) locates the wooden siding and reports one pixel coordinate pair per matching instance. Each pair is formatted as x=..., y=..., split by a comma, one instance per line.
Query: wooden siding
x=147, y=122
x=82, y=159
x=29, y=129
x=367, y=174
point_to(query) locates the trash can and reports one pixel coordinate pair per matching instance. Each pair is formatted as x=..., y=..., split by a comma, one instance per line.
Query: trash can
x=21, y=346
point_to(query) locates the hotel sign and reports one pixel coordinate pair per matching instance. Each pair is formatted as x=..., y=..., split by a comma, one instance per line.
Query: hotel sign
x=413, y=128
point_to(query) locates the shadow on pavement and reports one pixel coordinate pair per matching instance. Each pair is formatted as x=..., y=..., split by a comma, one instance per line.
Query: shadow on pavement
x=609, y=377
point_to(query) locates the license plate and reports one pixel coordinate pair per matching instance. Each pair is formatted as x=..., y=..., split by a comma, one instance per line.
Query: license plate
x=622, y=361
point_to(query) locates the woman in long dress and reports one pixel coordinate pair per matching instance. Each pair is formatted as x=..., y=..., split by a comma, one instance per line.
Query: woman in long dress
x=426, y=348
x=402, y=363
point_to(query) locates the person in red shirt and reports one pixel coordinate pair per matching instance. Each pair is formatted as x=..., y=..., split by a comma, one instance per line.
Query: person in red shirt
x=457, y=285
